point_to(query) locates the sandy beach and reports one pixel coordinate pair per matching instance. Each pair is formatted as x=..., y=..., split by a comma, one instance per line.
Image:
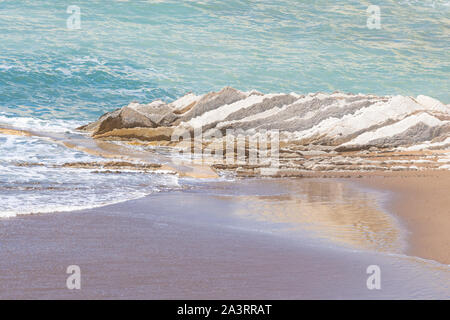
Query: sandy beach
x=224, y=150
x=422, y=201
x=206, y=243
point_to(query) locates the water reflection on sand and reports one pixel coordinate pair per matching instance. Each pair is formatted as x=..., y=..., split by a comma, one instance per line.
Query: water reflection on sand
x=328, y=209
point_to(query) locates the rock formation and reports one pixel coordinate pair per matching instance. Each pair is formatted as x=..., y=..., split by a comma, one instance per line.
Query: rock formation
x=317, y=132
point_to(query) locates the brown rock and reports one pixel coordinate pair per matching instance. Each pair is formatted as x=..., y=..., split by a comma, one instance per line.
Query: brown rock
x=144, y=134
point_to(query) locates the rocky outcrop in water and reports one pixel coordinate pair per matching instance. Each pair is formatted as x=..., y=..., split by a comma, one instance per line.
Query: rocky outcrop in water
x=317, y=131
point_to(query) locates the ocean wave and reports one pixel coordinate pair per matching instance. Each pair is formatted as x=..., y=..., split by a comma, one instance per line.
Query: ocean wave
x=42, y=189
x=41, y=206
x=10, y=120
x=40, y=175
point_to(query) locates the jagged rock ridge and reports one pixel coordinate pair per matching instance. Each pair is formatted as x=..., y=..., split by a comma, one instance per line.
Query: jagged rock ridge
x=320, y=125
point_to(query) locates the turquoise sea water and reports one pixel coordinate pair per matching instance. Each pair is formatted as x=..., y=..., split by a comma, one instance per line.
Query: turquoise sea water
x=143, y=50
x=53, y=79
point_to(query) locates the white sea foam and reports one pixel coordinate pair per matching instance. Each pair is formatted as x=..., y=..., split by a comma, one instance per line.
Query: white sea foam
x=38, y=125
x=41, y=205
x=44, y=190
x=33, y=179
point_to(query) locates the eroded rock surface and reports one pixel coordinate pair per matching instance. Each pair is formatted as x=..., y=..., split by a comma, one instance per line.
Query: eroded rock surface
x=317, y=131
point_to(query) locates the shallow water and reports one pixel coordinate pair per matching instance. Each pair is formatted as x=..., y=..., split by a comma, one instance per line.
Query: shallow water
x=332, y=210
x=319, y=235
x=53, y=79
x=191, y=244
x=39, y=176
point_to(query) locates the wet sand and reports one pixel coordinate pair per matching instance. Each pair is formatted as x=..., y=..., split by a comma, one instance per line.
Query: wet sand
x=422, y=202
x=195, y=244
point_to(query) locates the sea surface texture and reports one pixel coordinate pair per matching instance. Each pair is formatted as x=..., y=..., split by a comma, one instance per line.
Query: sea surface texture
x=56, y=75
x=65, y=63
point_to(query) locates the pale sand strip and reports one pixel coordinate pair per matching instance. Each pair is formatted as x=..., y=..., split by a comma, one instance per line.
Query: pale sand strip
x=422, y=202
x=14, y=132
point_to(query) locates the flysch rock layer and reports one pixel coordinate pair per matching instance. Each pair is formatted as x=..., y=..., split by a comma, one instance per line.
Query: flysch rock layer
x=317, y=131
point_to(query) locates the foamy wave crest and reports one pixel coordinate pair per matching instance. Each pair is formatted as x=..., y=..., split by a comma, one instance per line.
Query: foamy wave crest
x=37, y=125
x=39, y=175
x=50, y=208
x=46, y=190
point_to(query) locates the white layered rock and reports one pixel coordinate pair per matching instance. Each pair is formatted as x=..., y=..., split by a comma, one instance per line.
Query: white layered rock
x=315, y=129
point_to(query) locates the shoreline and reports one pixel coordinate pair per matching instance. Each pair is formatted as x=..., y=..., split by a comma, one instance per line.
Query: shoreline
x=193, y=244
x=422, y=203
x=414, y=193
